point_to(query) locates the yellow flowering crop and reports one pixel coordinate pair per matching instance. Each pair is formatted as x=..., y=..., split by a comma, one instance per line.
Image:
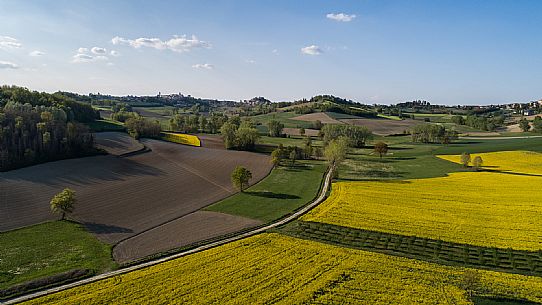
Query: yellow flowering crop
x=181, y=138
x=527, y=162
x=478, y=208
x=271, y=268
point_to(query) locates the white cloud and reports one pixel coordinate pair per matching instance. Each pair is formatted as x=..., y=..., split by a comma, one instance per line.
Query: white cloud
x=36, y=53
x=250, y=61
x=98, y=50
x=203, y=66
x=7, y=42
x=83, y=55
x=275, y=51
x=114, y=53
x=311, y=50
x=8, y=65
x=341, y=17
x=177, y=43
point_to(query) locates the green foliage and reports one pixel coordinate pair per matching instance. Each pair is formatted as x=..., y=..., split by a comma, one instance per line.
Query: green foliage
x=228, y=131
x=197, y=123
x=123, y=116
x=140, y=127
x=458, y=119
x=63, y=203
x=356, y=135
x=477, y=162
x=243, y=136
x=33, y=134
x=240, y=177
x=275, y=128
x=524, y=125
x=537, y=124
x=276, y=157
x=465, y=159
x=335, y=153
x=432, y=133
x=484, y=123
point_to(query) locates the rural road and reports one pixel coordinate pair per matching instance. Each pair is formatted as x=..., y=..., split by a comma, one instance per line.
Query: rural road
x=306, y=208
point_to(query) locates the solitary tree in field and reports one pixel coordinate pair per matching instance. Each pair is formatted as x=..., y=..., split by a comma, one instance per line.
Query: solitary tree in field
x=240, y=178
x=465, y=159
x=63, y=202
x=477, y=162
x=381, y=148
x=302, y=131
x=524, y=125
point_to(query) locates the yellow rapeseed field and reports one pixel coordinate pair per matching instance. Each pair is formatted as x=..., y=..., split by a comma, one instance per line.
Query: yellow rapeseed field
x=271, y=268
x=527, y=162
x=480, y=208
x=181, y=138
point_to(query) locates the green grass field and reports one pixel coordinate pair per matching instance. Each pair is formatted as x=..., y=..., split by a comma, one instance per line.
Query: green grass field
x=105, y=125
x=286, y=189
x=47, y=249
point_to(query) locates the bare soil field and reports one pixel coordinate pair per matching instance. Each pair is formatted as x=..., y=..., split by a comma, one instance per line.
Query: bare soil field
x=383, y=127
x=116, y=143
x=119, y=197
x=202, y=225
x=211, y=141
x=295, y=132
x=317, y=116
x=149, y=114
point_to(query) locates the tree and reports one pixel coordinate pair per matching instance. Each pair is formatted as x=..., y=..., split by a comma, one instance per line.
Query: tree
x=335, y=153
x=477, y=162
x=318, y=124
x=63, y=202
x=302, y=131
x=276, y=157
x=465, y=159
x=293, y=156
x=228, y=134
x=275, y=128
x=537, y=124
x=524, y=125
x=240, y=178
x=246, y=137
x=356, y=135
x=381, y=148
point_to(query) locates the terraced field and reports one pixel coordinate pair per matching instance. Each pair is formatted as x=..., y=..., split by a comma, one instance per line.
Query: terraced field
x=121, y=197
x=522, y=162
x=272, y=268
x=492, y=209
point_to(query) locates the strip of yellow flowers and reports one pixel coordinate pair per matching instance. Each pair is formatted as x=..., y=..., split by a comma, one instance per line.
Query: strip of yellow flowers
x=181, y=138
x=271, y=268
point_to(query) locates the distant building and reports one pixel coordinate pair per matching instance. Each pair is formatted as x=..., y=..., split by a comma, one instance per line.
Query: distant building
x=528, y=112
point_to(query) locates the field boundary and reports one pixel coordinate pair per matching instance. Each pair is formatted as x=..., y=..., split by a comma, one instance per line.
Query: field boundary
x=430, y=250
x=320, y=198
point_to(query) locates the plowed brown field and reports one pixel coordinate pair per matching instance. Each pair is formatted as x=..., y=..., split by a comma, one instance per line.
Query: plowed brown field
x=119, y=197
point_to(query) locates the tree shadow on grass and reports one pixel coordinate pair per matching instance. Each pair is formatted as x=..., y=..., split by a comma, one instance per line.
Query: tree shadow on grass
x=100, y=228
x=272, y=195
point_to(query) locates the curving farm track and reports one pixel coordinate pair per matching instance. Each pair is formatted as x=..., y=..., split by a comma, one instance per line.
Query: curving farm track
x=121, y=197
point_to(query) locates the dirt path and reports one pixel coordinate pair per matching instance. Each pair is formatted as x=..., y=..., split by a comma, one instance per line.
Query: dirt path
x=499, y=138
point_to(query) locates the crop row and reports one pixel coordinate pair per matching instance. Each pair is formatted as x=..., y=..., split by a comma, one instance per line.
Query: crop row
x=438, y=251
x=274, y=268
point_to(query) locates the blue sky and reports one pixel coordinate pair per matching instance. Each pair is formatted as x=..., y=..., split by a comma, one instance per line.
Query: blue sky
x=448, y=52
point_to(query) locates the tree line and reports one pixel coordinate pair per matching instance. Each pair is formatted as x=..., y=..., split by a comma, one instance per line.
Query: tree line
x=38, y=127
